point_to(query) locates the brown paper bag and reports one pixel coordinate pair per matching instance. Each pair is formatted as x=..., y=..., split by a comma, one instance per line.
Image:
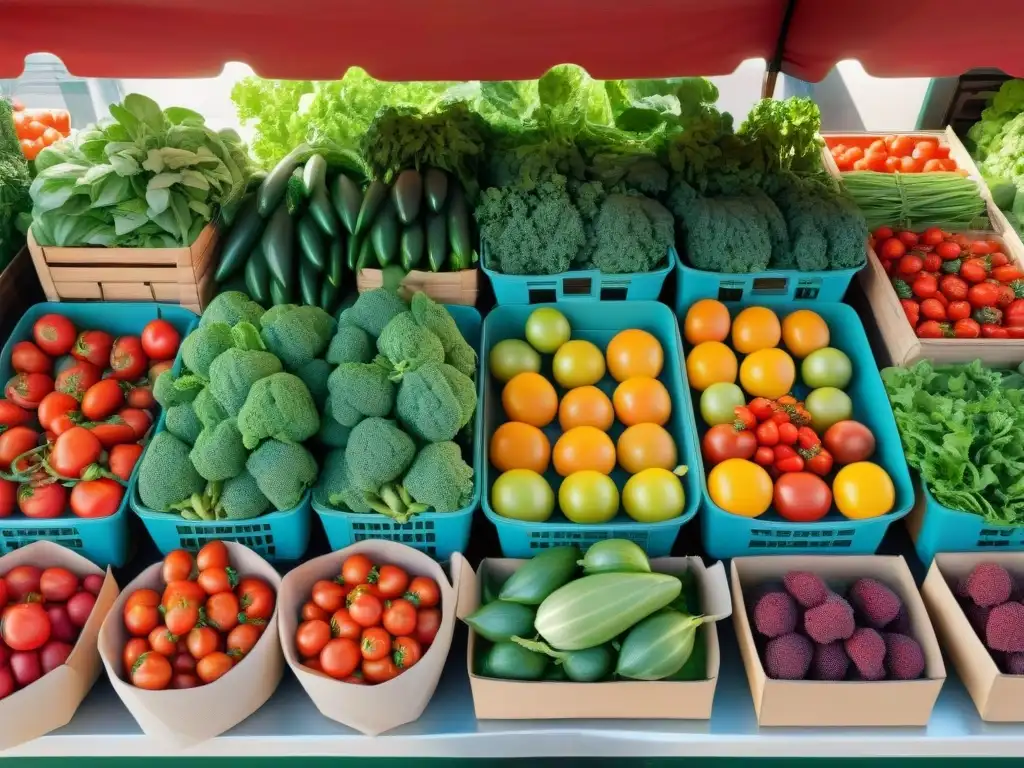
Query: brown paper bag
x=52, y=700
x=182, y=718
x=371, y=709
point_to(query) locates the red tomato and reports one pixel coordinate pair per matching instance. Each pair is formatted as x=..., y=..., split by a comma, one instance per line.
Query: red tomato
x=428, y=622
x=26, y=357
x=902, y=146
x=311, y=610
x=42, y=502
x=140, y=619
x=178, y=565
x=8, y=503
x=76, y=379
x=56, y=411
x=62, y=121
x=214, y=666
x=214, y=554
x=22, y=581
x=160, y=340
x=365, y=609
x=399, y=617
x=342, y=625
x=138, y=419
x=93, y=347
x=25, y=627
x=141, y=397
x=802, y=497
x=113, y=432
x=892, y=248
x=133, y=649
x=340, y=657
x=379, y=671
x=723, y=441
x=26, y=667
x=311, y=637
x=407, y=651
x=183, y=661
x=182, y=617
x=12, y=415
x=75, y=450
x=909, y=239
x=123, y=458
x=127, y=358
x=215, y=580
x=142, y=597
x=96, y=498
x=13, y=443
x=151, y=672
x=256, y=599
x=54, y=334
x=162, y=641
x=375, y=643
x=102, y=399
x=57, y=584
x=28, y=389
x=188, y=591
x=222, y=611
x=329, y=595
x=202, y=641
x=356, y=570
x=243, y=639
x=391, y=581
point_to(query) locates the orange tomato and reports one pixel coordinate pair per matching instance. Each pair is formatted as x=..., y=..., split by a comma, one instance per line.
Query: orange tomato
x=33, y=129
x=50, y=135
x=755, y=328
x=530, y=398
x=642, y=400
x=767, y=373
x=643, y=446
x=584, y=448
x=516, y=445
x=710, y=362
x=586, y=407
x=31, y=147
x=634, y=353
x=707, y=320
x=803, y=332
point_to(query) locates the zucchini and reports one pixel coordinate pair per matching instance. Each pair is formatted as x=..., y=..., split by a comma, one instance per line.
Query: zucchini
x=437, y=241
x=406, y=193
x=596, y=609
x=347, y=200
x=335, y=263
x=257, y=276
x=413, y=242
x=500, y=620
x=312, y=243
x=272, y=189
x=375, y=195
x=280, y=293
x=615, y=556
x=329, y=296
x=314, y=174
x=323, y=213
x=458, y=230
x=435, y=185
x=240, y=241
x=659, y=646
x=278, y=244
x=584, y=666
x=309, y=283
x=365, y=257
x=510, y=661
x=384, y=234
x=537, y=578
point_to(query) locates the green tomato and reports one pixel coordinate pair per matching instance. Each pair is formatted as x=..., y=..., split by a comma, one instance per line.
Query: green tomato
x=653, y=496
x=521, y=494
x=513, y=356
x=828, y=406
x=588, y=497
x=547, y=329
x=718, y=403
x=827, y=367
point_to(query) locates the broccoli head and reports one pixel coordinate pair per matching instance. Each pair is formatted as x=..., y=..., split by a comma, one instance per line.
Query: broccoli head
x=378, y=454
x=182, y=422
x=166, y=476
x=631, y=233
x=278, y=406
x=241, y=499
x=439, y=321
x=721, y=234
x=219, y=453
x=434, y=402
x=373, y=310
x=233, y=374
x=167, y=393
x=359, y=390
x=208, y=410
x=350, y=344
x=439, y=479
x=283, y=472
x=201, y=347
x=778, y=235
x=314, y=375
x=335, y=489
x=807, y=240
x=232, y=307
x=332, y=434
x=297, y=335
x=407, y=345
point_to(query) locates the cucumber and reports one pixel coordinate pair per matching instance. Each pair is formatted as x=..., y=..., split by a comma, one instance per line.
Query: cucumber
x=658, y=646
x=437, y=241
x=615, y=556
x=510, y=661
x=272, y=189
x=584, y=666
x=596, y=609
x=347, y=200
x=323, y=213
x=329, y=297
x=458, y=230
x=309, y=283
x=413, y=242
x=375, y=195
x=335, y=263
x=312, y=244
x=384, y=234
x=490, y=586
x=240, y=241
x=501, y=620
x=555, y=673
x=280, y=293
x=254, y=182
x=537, y=578
x=314, y=174
x=257, y=276
x=352, y=249
x=278, y=243
x=230, y=210
x=406, y=193
x=365, y=257
x=435, y=185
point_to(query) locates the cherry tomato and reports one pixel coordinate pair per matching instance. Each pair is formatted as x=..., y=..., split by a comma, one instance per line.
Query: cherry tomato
x=216, y=580
x=57, y=584
x=392, y=581
x=399, y=617
x=375, y=643
x=54, y=334
x=242, y=639
x=183, y=662
x=42, y=502
x=183, y=681
x=25, y=627
x=127, y=358
x=423, y=592
x=178, y=565
x=136, y=418
x=102, y=399
x=256, y=599
x=380, y=671
x=356, y=570
x=151, y=672
x=14, y=442
x=93, y=347
x=802, y=497
x=56, y=411
x=342, y=625
x=214, y=666
x=340, y=657
x=365, y=610
x=724, y=441
x=407, y=651
x=213, y=555
x=75, y=450
x=428, y=622
x=76, y=379
x=133, y=649
x=163, y=641
x=28, y=389
x=222, y=611
x=202, y=641
x=96, y=498
x=26, y=357
x=329, y=595
x=160, y=340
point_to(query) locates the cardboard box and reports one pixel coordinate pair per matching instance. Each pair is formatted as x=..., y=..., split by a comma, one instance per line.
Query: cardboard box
x=460, y=287
x=53, y=699
x=634, y=699
x=998, y=697
x=183, y=718
x=847, y=703
x=371, y=709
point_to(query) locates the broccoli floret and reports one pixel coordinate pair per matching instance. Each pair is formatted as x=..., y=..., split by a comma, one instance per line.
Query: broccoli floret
x=807, y=241
x=359, y=390
x=335, y=489
x=350, y=344
x=434, y=317
x=201, y=347
x=278, y=406
x=218, y=453
x=167, y=392
x=407, y=345
x=297, y=335
x=373, y=310
x=167, y=476
x=846, y=232
x=631, y=234
x=233, y=374
x=241, y=499
x=378, y=454
x=314, y=375
x=283, y=472
x=721, y=234
x=434, y=402
x=182, y=422
x=232, y=307
x=539, y=232
x=332, y=434
x=439, y=479
x=778, y=235
x=208, y=410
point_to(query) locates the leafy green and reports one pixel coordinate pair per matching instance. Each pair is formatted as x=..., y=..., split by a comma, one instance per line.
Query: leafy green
x=14, y=186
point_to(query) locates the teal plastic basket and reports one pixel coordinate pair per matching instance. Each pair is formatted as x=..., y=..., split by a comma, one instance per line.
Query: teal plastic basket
x=439, y=535
x=767, y=288
x=597, y=322
x=577, y=285
x=104, y=541
x=941, y=529
x=727, y=535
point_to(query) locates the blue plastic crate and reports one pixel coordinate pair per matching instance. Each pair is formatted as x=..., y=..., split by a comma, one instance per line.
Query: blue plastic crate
x=597, y=322
x=578, y=285
x=438, y=534
x=727, y=535
x=104, y=541
x=768, y=288
x=936, y=528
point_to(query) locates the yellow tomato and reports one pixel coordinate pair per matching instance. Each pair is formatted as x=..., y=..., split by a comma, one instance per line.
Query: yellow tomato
x=578, y=364
x=708, y=363
x=654, y=495
x=706, y=320
x=740, y=487
x=767, y=373
x=863, y=490
x=755, y=328
x=634, y=353
x=803, y=332
x=588, y=497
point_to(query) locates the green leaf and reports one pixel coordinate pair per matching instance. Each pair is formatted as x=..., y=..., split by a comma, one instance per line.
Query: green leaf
x=158, y=200
x=164, y=181
x=125, y=166
x=130, y=122
x=111, y=191
x=146, y=110
x=195, y=179
x=178, y=115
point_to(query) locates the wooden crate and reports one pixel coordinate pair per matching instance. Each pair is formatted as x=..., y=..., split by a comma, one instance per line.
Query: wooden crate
x=173, y=275
x=444, y=287
x=19, y=290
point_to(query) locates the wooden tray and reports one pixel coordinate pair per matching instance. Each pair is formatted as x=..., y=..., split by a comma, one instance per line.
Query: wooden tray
x=444, y=287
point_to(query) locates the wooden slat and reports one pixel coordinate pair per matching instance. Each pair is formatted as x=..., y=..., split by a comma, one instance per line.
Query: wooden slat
x=78, y=290
x=111, y=275
x=42, y=270
x=126, y=292
x=170, y=292
x=84, y=257
x=460, y=287
x=204, y=250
